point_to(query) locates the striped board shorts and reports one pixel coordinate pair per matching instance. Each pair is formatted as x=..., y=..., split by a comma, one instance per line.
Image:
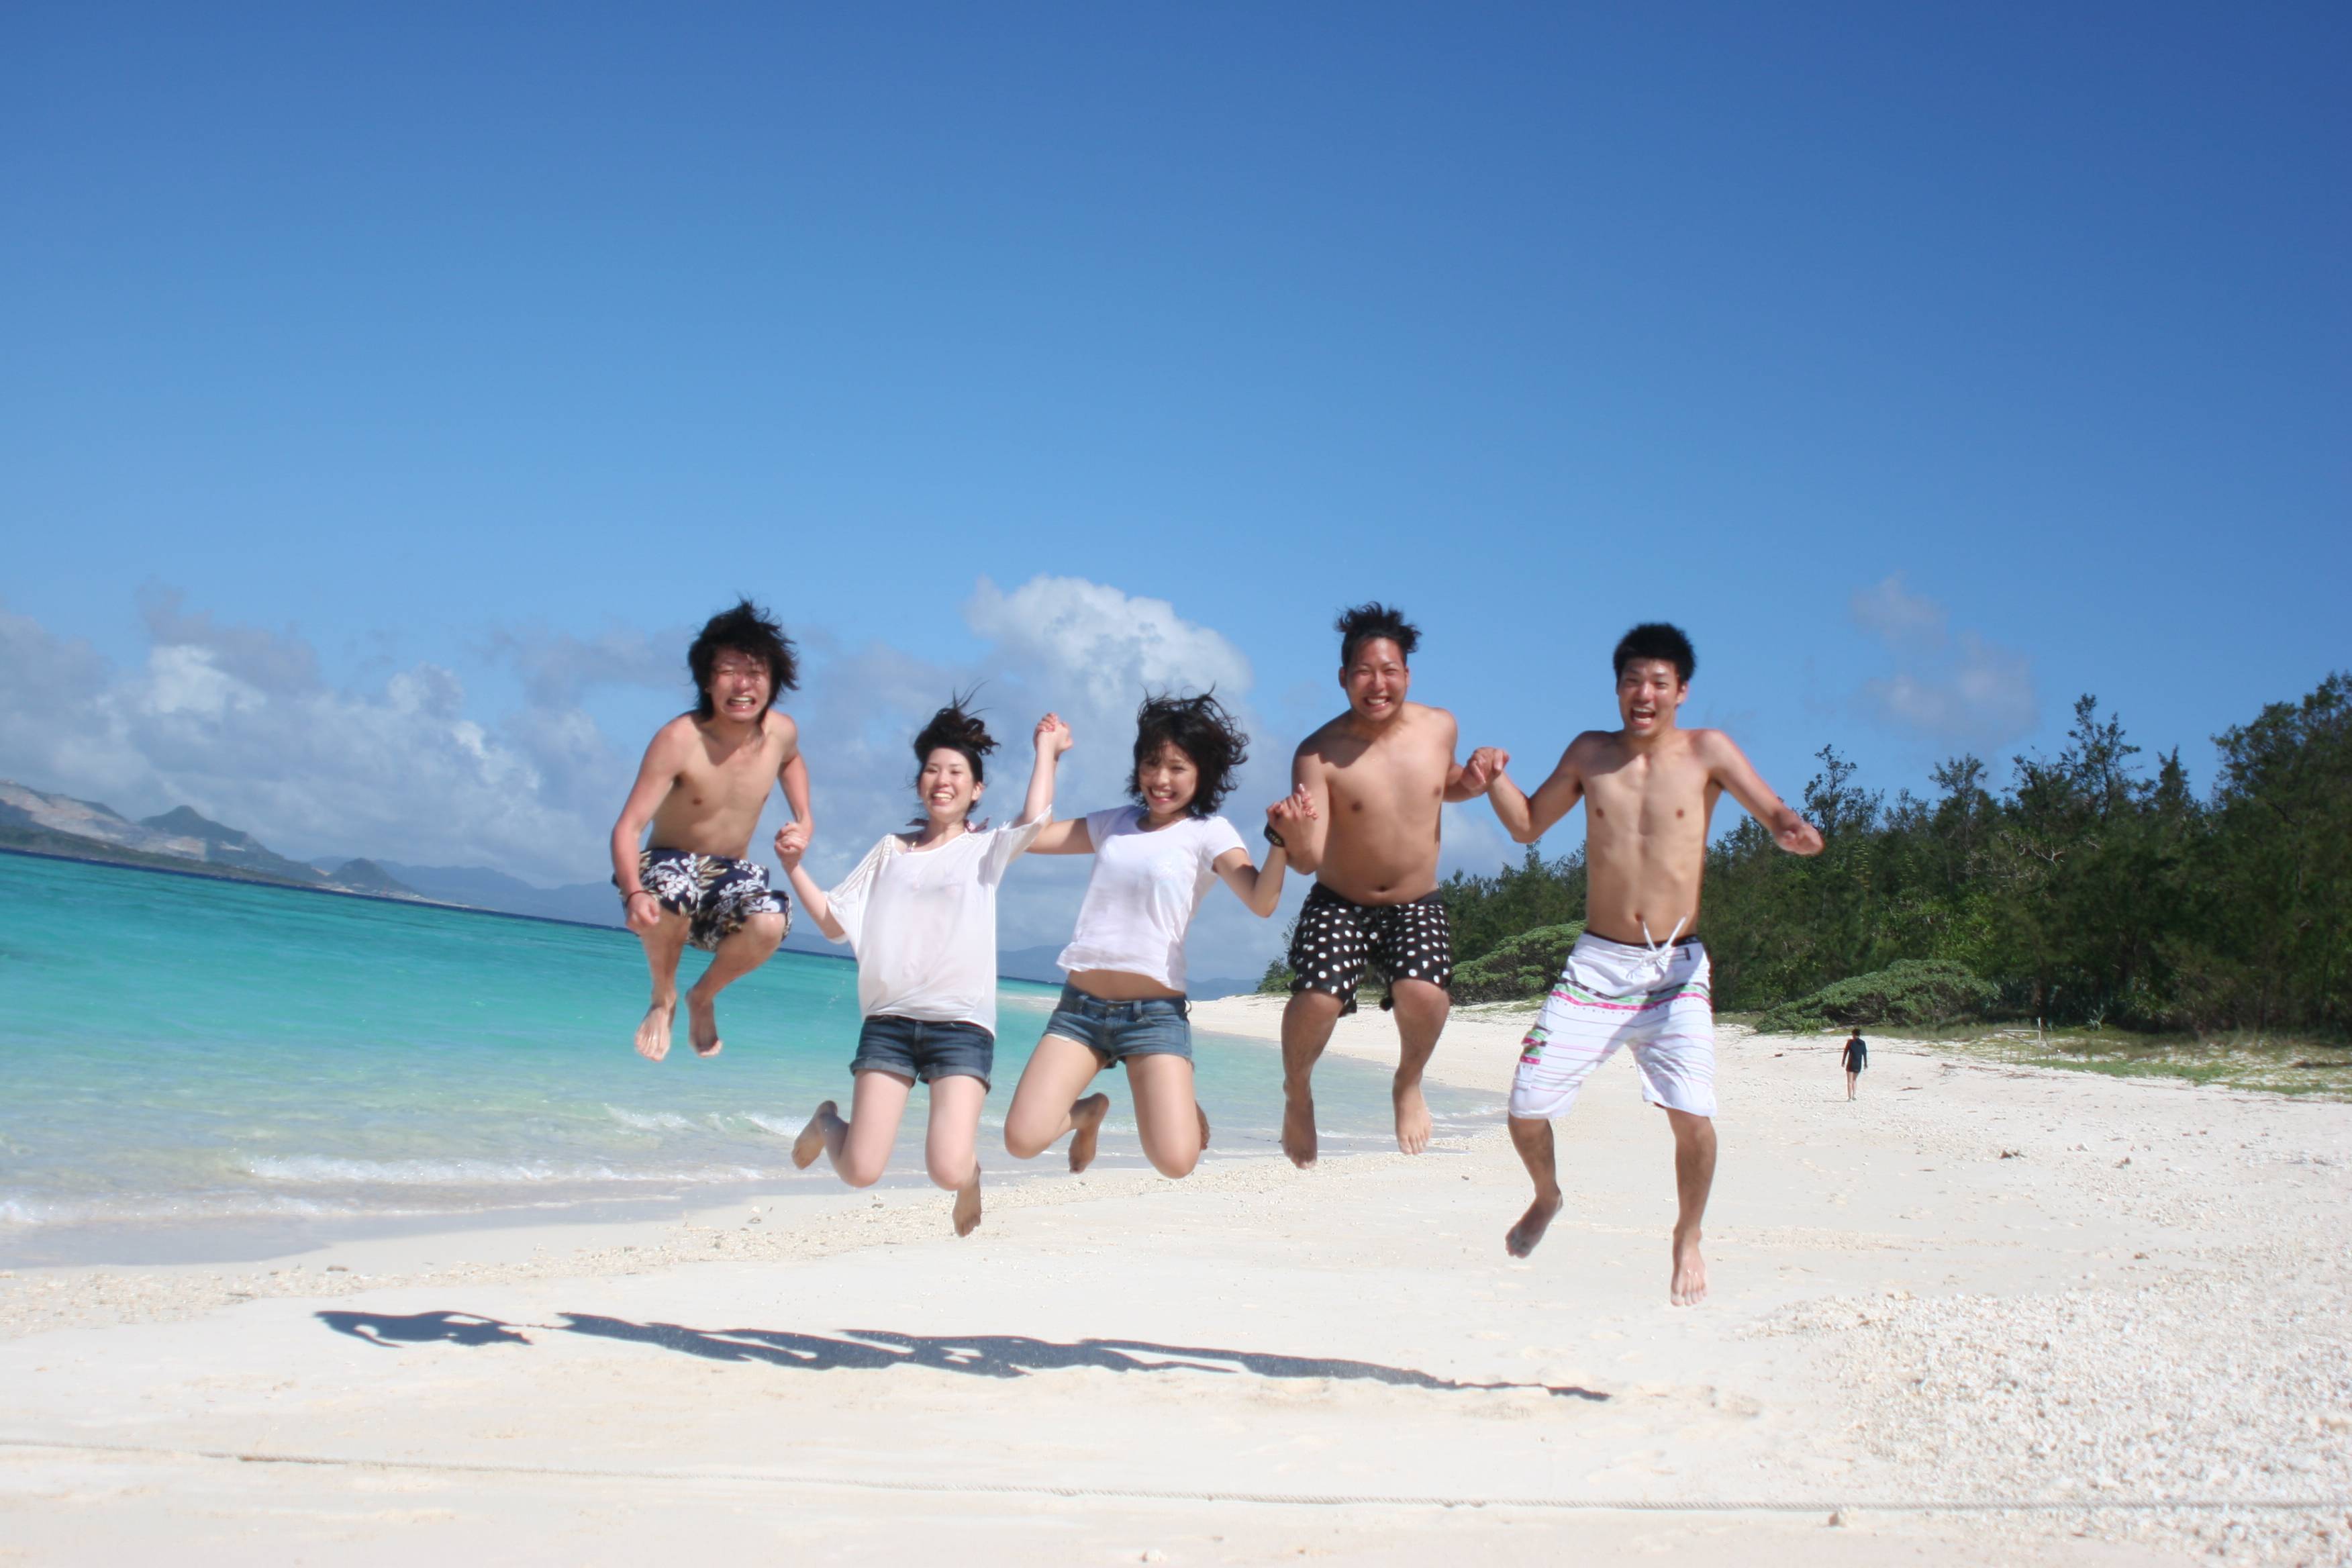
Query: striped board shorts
x=1660, y=1000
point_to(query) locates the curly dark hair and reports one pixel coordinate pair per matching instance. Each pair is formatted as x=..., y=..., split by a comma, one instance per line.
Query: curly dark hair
x=1656, y=640
x=1364, y=622
x=959, y=729
x=746, y=629
x=1200, y=729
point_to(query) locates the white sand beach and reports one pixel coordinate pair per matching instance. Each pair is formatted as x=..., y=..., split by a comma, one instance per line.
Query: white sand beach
x=1978, y=1285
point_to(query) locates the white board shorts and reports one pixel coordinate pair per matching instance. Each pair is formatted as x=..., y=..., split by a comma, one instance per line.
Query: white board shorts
x=1612, y=993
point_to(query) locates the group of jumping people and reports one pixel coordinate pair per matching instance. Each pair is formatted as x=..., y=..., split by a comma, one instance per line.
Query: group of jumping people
x=1361, y=820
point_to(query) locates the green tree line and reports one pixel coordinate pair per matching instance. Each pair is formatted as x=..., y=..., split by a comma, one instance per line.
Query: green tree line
x=2095, y=888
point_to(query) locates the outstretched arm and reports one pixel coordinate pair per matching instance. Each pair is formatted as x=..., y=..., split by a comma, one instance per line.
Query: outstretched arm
x=1466, y=781
x=1053, y=738
x=791, y=843
x=1729, y=766
x=1305, y=839
x=1528, y=817
x=664, y=756
x=1070, y=835
x=792, y=775
x=1260, y=886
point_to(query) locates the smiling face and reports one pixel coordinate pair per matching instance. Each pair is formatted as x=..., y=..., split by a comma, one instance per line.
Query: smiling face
x=1649, y=691
x=740, y=686
x=1169, y=779
x=1376, y=680
x=946, y=786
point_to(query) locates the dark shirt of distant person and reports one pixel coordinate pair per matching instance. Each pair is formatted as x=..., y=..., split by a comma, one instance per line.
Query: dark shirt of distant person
x=1857, y=1056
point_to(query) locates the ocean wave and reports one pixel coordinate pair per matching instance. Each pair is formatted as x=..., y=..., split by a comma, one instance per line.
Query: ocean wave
x=329, y=1170
x=651, y=1120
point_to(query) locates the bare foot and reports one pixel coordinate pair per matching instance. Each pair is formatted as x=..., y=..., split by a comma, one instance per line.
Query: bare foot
x=702, y=1023
x=817, y=1135
x=967, y=1204
x=1298, y=1129
x=1412, y=1118
x=1205, y=1122
x=1522, y=1237
x=1690, y=1270
x=1086, y=1118
x=652, y=1030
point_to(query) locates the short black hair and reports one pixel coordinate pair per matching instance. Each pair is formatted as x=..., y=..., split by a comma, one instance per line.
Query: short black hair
x=1200, y=729
x=1656, y=640
x=747, y=629
x=959, y=729
x=1364, y=622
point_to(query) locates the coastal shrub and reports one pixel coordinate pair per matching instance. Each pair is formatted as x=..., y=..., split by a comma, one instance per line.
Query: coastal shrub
x=1518, y=967
x=1912, y=991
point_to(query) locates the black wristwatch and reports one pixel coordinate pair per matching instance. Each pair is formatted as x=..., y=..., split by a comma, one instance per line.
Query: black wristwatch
x=1274, y=838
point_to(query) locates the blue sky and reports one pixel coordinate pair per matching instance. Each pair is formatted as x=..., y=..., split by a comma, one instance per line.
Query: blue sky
x=1930, y=368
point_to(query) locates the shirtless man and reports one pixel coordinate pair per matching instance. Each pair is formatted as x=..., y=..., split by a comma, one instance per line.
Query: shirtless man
x=1639, y=974
x=1375, y=777
x=702, y=786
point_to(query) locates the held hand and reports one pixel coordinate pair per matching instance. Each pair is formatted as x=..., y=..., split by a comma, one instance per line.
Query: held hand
x=1295, y=807
x=1484, y=766
x=1053, y=736
x=1799, y=838
x=644, y=914
x=791, y=843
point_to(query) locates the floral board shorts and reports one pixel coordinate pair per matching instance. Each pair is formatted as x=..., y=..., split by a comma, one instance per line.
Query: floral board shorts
x=720, y=894
x=1337, y=940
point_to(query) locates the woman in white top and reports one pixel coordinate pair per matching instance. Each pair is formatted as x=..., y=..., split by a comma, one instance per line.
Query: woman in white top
x=920, y=912
x=1124, y=1000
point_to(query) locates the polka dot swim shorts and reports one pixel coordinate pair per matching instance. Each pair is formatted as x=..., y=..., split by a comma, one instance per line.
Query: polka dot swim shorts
x=1337, y=940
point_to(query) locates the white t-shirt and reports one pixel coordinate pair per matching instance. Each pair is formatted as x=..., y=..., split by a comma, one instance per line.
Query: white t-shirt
x=923, y=924
x=1144, y=890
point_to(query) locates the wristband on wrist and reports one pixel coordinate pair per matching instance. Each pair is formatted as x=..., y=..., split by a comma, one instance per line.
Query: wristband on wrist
x=1274, y=838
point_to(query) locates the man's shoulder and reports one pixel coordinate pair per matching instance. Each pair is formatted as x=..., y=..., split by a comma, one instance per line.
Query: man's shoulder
x=684, y=729
x=776, y=726
x=1321, y=737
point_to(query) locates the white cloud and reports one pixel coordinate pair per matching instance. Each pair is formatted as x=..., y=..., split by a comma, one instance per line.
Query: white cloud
x=1954, y=689
x=240, y=724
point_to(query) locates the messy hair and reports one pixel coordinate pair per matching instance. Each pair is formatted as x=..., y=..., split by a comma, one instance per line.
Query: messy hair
x=957, y=729
x=745, y=630
x=1656, y=640
x=1365, y=623
x=1200, y=729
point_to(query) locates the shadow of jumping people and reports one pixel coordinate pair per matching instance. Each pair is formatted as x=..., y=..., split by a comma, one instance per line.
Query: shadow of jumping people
x=974, y=1355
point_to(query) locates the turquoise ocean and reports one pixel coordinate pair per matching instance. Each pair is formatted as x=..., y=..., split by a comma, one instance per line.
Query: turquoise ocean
x=192, y=1067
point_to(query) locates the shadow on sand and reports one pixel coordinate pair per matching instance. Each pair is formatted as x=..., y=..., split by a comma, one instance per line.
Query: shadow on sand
x=977, y=1356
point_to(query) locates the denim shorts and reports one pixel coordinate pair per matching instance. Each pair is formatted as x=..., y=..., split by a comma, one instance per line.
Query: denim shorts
x=913, y=1047
x=1154, y=1026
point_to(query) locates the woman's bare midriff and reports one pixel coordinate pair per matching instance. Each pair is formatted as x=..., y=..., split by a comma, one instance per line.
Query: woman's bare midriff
x=1119, y=985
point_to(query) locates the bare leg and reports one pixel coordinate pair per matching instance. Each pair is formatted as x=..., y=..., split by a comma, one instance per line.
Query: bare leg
x=663, y=945
x=1850, y=1078
x=1694, y=1176
x=1420, y=1011
x=1046, y=1103
x=1532, y=1139
x=1167, y=1113
x=753, y=945
x=859, y=1147
x=1306, y=1029
x=948, y=1147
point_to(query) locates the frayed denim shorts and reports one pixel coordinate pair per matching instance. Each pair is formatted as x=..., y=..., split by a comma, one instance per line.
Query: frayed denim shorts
x=1154, y=1026
x=913, y=1047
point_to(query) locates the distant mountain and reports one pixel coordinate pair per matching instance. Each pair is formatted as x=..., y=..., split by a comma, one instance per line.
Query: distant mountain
x=231, y=847
x=367, y=876
x=479, y=887
x=178, y=840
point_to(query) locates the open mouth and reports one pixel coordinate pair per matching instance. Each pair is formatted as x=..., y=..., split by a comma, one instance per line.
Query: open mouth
x=742, y=704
